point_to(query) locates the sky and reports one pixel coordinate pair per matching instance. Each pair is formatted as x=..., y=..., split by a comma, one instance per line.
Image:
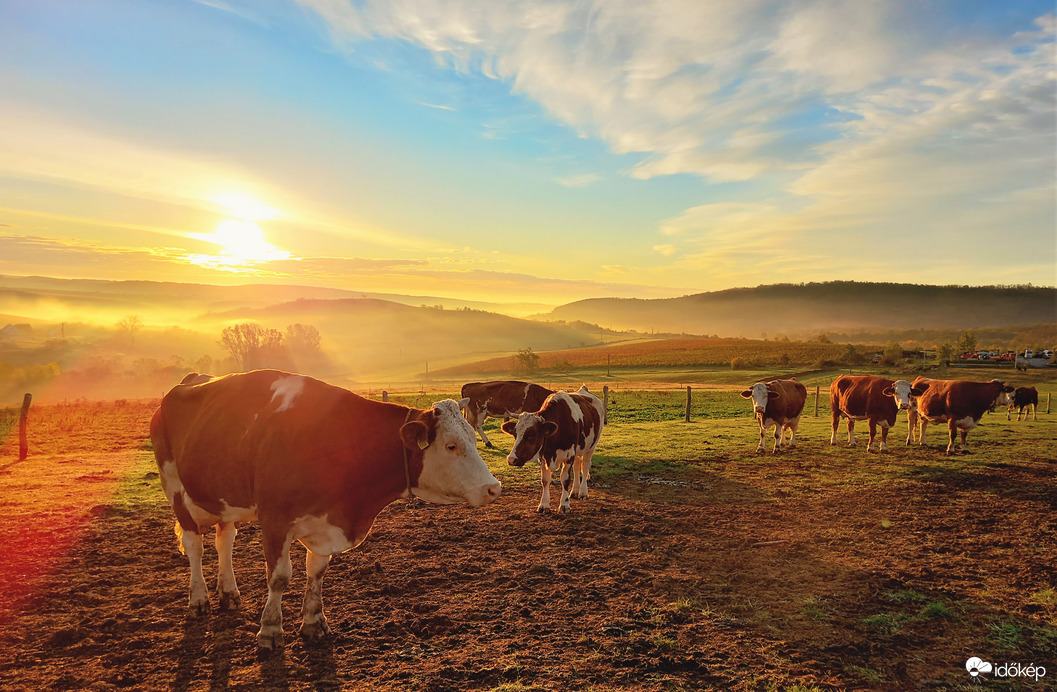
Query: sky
x=539, y=151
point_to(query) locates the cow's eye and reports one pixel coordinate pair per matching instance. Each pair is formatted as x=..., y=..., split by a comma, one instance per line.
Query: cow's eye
x=451, y=446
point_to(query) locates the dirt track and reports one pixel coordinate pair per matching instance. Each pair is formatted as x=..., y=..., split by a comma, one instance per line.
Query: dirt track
x=645, y=586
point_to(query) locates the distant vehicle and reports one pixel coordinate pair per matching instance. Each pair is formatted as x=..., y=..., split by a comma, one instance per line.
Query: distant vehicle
x=1007, y=357
x=1048, y=353
x=1029, y=353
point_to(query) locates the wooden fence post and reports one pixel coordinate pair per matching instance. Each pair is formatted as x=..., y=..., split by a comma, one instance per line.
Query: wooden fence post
x=605, y=404
x=1048, y=402
x=816, y=401
x=687, y=403
x=385, y=395
x=23, y=425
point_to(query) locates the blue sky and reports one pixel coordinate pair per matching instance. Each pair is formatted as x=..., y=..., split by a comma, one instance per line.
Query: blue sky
x=529, y=151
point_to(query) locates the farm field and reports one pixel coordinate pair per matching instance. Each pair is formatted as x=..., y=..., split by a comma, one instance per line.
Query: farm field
x=695, y=563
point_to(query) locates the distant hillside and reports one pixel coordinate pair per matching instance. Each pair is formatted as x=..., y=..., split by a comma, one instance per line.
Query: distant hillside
x=367, y=335
x=797, y=310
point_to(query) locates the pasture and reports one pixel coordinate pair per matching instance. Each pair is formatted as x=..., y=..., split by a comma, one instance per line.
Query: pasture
x=695, y=564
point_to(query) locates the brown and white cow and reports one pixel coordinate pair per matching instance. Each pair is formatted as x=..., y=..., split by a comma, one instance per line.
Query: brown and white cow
x=874, y=399
x=915, y=424
x=960, y=404
x=565, y=430
x=1022, y=398
x=500, y=399
x=778, y=403
x=312, y=463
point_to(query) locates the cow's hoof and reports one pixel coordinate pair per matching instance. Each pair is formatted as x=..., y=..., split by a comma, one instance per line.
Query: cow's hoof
x=488, y=445
x=200, y=608
x=315, y=630
x=269, y=638
x=230, y=600
x=566, y=510
x=543, y=510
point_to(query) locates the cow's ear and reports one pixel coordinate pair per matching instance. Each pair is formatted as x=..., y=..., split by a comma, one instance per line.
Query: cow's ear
x=549, y=427
x=747, y=394
x=463, y=403
x=509, y=427
x=771, y=394
x=415, y=435
x=1008, y=389
x=888, y=391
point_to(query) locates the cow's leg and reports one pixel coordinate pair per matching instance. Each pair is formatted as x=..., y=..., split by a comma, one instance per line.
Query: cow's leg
x=1034, y=412
x=835, y=411
x=194, y=546
x=1009, y=413
x=480, y=429
x=793, y=425
x=964, y=448
x=585, y=473
x=851, y=432
x=545, y=481
x=911, y=421
x=227, y=589
x=779, y=433
x=922, y=424
x=953, y=429
x=871, y=425
x=313, y=621
x=277, y=560
x=567, y=484
x=763, y=431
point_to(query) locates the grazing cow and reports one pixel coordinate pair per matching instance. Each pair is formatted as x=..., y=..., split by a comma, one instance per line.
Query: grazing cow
x=565, y=430
x=960, y=404
x=874, y=399
x=500, y=399
x=778, y=403
x=915, y=423
x=1022, y=398
x=311, y=462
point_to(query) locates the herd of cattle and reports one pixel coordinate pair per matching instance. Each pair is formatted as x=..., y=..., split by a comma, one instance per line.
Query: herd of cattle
x=316, y=463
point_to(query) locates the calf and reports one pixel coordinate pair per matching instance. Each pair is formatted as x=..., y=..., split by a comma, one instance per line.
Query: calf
x=874, y=399
x=1022, y=398
x=312, y=463
x=960, y=404
x=500, y=399
x=778, y=403
x=565, y=430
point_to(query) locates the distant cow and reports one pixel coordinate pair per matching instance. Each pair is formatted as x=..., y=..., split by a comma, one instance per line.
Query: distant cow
x=312, y=462
x=1022, y=398
x=960, y=404
x=874, y=399
x=565, y=430
x=778, y=403
x=500, y=399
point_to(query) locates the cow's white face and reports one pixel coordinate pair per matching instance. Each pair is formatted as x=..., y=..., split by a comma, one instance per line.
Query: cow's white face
x=452, y=469
x=900, y=391
x=760, y=394
x=529, y=431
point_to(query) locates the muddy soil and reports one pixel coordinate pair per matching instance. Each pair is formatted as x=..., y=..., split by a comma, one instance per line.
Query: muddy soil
x=645, y=586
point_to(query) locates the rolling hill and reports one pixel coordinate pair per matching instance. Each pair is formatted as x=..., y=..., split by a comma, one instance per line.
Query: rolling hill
x=807, y=310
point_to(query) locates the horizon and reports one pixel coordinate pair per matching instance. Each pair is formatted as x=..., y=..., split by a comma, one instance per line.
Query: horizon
x=529, y=153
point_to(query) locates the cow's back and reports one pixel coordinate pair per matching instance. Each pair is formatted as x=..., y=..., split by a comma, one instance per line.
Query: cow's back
x=790, y=402
x=860, y=395
x=263, y=436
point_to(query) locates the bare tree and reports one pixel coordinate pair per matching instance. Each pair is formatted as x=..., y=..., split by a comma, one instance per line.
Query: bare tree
x=128, y=326
x=253, y=346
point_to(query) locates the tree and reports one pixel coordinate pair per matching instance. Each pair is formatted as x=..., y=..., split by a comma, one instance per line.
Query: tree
x=128, y=326
x=851, y=355
x=303, y=338
x=252, y=346
x=893, y=353
x=945, y=352
x=967, y=342
x=527, y=360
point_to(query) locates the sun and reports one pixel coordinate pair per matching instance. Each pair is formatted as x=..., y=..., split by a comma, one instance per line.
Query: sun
x=240, y=243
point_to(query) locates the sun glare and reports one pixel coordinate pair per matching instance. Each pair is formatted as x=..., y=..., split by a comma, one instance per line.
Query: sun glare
x=241, y=243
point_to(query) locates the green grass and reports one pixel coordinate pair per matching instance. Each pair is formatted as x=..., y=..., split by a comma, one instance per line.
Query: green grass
x=1006, y=635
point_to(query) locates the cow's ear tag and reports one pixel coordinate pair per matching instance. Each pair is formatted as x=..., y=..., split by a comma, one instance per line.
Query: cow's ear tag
x=422, y=444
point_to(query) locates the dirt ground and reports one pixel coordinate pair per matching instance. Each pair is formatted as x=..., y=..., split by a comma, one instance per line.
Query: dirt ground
x=710, y=583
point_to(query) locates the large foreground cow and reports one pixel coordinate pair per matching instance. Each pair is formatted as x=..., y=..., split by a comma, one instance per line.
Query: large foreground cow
x=958, y=403
x=500, y=399
x=565, y=430
x=778, y=403
x=874, y=399
x=312, y=462
x=1022, y=398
